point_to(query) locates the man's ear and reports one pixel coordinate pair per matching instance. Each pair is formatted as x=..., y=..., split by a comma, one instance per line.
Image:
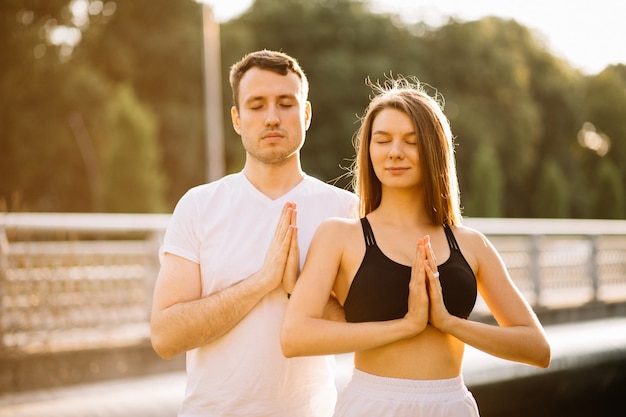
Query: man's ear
x=234, y=115
x=308, y=114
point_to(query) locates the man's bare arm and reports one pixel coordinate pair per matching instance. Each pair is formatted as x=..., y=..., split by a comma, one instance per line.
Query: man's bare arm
x=182, y=319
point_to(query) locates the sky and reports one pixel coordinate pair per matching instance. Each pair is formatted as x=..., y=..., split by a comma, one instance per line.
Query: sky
x=589, y=34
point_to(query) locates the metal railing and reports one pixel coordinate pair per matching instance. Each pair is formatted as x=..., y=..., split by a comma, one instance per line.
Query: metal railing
x=561, y=263
x=72, y=281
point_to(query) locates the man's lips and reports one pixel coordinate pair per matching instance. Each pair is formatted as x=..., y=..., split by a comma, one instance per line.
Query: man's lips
x=273, y=136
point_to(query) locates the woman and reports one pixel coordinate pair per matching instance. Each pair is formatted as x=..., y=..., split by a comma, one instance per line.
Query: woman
x=407, y=273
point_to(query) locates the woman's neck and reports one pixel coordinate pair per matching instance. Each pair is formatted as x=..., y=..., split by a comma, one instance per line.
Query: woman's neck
x=402, y=207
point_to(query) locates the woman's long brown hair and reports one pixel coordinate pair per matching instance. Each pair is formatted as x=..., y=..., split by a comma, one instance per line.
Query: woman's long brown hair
x=435, y=147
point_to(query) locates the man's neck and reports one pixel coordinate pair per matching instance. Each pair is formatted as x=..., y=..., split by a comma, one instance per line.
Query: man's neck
x=274, y=180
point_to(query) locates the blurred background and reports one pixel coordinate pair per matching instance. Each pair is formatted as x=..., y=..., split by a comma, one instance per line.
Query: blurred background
x=111, y=110
x=103, y=104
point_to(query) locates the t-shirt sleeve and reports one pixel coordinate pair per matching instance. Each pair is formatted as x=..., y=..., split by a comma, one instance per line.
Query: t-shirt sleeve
x=181, y=235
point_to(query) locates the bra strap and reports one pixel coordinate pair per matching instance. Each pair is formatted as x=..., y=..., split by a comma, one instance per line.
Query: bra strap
x=451, y=239
x=368, y=234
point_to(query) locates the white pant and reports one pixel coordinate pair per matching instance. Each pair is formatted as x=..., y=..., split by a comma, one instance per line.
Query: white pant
x=369, y=395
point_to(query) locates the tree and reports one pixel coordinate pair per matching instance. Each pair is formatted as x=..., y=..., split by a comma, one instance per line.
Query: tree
x=484, y=197
x=609, y=198
x=155, y=46
x=551, y=196
x=490, y=71
x=54, y=98
x=605, y=108
x=44, y=169
x=131, y=181
x=558, y=90
x=62, y=125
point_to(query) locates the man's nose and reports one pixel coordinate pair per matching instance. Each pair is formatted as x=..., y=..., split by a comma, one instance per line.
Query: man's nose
x=271, y=118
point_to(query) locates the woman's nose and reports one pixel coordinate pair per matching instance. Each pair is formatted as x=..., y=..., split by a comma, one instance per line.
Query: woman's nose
x=396, y=150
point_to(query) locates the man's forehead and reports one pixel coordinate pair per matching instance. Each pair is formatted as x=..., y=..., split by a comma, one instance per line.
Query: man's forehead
x=258, y=83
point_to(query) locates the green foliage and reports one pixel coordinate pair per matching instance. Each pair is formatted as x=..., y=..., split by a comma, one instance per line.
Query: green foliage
x=487, y=70
x=484, y=197
x=156, y=47
x=57, y=118
x=117, y=123
x=131, y=179
x=605, y=105
x=42, y=168
x=610, y=198
x=551, y=196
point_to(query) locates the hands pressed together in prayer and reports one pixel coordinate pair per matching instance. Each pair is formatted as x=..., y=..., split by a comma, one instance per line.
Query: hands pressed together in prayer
x=282, y=262
x=426, y=304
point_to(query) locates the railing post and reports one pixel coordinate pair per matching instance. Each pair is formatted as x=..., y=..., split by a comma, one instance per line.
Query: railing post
x=153, y=243
x=534, y=266
x=593, y=267
x=4, y=266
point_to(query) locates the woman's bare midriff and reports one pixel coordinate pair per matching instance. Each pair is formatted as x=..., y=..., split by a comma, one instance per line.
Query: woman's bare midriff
x=429, y=355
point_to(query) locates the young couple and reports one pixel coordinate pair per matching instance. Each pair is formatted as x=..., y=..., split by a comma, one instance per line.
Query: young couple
x=390, y=273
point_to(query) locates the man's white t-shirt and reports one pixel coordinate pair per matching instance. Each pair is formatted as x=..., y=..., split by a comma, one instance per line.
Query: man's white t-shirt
x=226, y=226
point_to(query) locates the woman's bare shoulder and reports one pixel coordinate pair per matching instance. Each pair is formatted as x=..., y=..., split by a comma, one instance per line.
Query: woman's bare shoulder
x=465, y=231
x=469, y=237
x=339, y=228
x=341, y=222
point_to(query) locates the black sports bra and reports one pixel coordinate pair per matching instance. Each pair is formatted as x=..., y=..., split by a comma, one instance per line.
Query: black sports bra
x=380, y=288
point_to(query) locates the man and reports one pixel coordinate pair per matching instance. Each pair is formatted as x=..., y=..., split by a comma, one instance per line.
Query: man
x=232, y=252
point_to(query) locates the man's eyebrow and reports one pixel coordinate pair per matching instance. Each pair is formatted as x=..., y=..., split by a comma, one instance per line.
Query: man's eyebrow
x=288, y=96
x=280, y=97
x=254, y=98
x=291, y=99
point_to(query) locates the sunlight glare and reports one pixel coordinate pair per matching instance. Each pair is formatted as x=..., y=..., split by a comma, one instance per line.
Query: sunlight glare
x=226, y=10
x=589, y=138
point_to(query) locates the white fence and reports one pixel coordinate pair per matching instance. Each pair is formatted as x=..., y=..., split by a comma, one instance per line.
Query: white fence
x=71, y=281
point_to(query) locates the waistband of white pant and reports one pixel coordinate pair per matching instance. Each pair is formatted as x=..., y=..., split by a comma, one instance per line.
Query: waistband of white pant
x=414, y=386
